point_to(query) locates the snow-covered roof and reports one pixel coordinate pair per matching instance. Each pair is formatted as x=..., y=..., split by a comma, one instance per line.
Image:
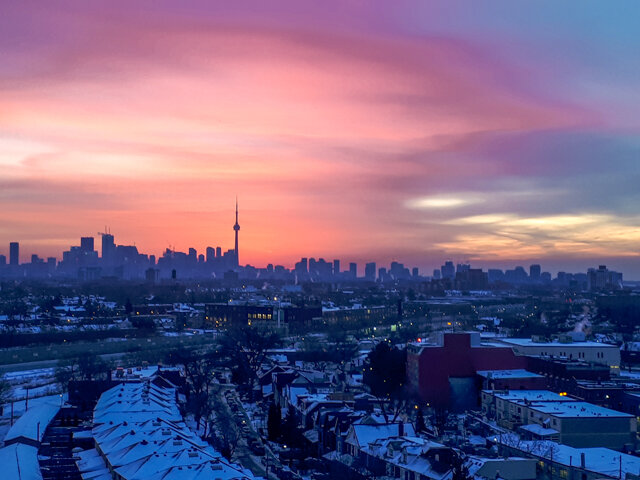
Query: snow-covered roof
x=539, y=430
x=602, y=461
x=32, y=424
x=141, y=435
x=362, y=434
x=527, y=342
x=408, y=453
x=136, y=402
x=576, y=409
x=20, y=462
x=91, y=465
x=528, y=395
x=502, y=374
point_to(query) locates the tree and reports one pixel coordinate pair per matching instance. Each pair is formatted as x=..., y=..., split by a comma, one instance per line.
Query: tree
x=245, y=348
x=459, y=470
x=274, y=423
x=290, y=433
x=145, y=325
x=228, y=433
x=128, y=308
x=64, y=373
x=5, y=392
x=92, y=367
x=385, y=375
x=420, y=424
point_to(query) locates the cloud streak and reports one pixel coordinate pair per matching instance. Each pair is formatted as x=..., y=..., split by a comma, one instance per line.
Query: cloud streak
x=345, y=131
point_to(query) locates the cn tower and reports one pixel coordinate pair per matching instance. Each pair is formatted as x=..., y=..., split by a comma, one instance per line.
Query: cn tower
x=236, y=228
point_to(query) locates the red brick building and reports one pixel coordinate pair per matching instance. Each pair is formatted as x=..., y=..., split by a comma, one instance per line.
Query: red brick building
x=445, y=374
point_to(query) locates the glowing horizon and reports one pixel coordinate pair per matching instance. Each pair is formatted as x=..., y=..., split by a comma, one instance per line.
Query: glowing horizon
x=417, y=132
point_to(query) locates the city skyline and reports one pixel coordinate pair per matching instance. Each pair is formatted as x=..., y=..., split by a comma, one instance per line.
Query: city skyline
x=416, y=132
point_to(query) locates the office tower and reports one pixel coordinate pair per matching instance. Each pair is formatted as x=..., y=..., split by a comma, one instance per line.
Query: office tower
x=353, y=270
x=336, y=267
x=415, y=273
x=301, y=267
x=3, y=260
x=14, y=254
x=86, y=244
x=534, y=272
x=236, y=229
x=108, y=247
x=211, y=254
x=218, y=252
x=193, y=254
x=370, y=271
x=382, y=274
x=436, y=274
x=463, y=267
x=448, y=270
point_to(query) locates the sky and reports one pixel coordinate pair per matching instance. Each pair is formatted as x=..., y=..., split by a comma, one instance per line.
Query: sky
x=500, y=133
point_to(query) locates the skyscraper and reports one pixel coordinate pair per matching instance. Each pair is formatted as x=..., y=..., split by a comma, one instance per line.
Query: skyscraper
x=353, y=270
x=14, y=253
x=86, y=244
x=370, y=271
x=534, y=272
x=108, y=247
x=448, y=270
x=236, y=228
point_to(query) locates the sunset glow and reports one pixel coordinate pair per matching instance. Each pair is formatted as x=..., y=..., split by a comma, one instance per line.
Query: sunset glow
x=415, y=131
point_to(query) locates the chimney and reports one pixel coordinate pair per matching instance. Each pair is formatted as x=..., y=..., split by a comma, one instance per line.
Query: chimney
x=401, y=429
x=582, y=461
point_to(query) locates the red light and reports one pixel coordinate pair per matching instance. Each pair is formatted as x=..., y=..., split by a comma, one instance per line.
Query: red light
x=419, y=340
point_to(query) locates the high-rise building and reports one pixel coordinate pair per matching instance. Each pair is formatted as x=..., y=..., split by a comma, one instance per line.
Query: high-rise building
x=448, y=270
x=353, y=270
x=108, y=247
x=301, y=267
x=336, y=267
x=218, y=252
x=236, y=229
x=14, y=254
x=534, y=272
x=3, y=260
x=211, y=254
x=86, y=244
x=462, y=267
x=370, y=271
x=603, y=279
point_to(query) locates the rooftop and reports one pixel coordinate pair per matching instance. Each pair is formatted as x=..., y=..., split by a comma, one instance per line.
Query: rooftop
x=602, y=461
x=501, y=374
x=528, y=395
x=140, y=432
x=576, y=409
x=527, y=342
x=32, y=424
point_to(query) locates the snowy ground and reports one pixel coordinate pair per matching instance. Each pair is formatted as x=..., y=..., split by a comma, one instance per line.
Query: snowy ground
x=36, y=382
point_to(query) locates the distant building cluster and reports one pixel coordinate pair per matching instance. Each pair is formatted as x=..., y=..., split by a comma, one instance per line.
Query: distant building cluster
x=84, y=263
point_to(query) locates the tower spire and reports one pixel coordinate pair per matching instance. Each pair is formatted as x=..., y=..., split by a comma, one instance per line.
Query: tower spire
x=236, y=228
